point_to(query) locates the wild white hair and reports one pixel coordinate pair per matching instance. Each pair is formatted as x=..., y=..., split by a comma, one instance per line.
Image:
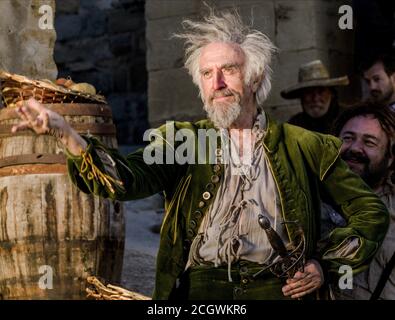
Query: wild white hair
x=229, y=28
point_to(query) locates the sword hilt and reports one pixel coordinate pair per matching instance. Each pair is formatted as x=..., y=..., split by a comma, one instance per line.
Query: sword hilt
x=273, y=237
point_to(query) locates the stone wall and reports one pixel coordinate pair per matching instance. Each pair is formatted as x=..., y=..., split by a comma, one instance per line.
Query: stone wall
x=103, y=42
x=303, y=30
x=25, y=48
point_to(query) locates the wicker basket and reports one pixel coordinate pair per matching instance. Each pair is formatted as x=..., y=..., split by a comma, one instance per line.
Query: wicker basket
x=99, y=291
x=15, y=88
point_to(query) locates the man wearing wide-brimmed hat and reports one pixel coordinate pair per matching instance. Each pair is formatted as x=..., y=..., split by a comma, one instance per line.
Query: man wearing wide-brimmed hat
x=316, y=91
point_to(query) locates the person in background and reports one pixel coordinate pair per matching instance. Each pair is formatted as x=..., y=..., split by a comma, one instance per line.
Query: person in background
x=367, y=131
x=318, y=97
x=379, y=76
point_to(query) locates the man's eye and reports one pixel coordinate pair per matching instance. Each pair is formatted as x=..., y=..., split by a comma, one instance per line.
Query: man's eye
x=229, y=70
x=206, y=74
x=370, y=143
x=346, y=139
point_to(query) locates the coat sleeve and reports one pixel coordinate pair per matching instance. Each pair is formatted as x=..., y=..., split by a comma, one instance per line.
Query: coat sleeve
x=366, y=215
x=106, y=173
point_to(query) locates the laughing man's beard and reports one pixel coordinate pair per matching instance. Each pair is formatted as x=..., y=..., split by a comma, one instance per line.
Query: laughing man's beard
x=372, y=175
x=223, y=116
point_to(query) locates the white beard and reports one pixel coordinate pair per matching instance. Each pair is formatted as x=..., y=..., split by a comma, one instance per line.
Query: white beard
x=223, y=116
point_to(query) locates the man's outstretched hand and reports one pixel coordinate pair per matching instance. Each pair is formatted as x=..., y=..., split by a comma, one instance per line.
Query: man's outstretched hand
x=41, y=120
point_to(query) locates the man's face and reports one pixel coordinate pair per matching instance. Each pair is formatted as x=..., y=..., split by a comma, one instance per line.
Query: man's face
x=224, y=92
x=381, y=86
x=316, y=101
x=365, y=149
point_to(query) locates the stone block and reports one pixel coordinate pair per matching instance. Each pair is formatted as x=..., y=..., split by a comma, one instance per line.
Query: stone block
x=122, y=21
x=158, y=9
x=81, y=66
x=120, y=79
x=139, y=42
x=138, y=76
x=96, y=4
x=163, y=51
x=64, y=53
x=295, y=24
x=130, y=5
x=69, y=26
x=130, y=116
x=67, y=7
x=25, y=47
x=172, y=96
x=121, y=44
x=94, y=23
x=93, y=49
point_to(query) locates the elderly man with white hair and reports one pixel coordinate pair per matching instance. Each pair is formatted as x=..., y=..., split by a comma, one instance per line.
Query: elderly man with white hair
x=242, y=219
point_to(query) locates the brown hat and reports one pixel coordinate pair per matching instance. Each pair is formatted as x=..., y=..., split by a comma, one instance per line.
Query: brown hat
x=313, y=74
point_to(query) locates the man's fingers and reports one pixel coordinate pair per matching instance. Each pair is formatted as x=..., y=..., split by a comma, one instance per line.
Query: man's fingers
x=302, y=287
x=33, y=104
x=23, y=125
x=21, y=114
x=28, y=114
x=297, y=277
x=45, y=121
x=298, y=283
x=303, y=293
x=302, y=290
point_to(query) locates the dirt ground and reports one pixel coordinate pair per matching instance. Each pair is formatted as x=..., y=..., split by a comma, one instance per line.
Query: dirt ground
x=141, y=244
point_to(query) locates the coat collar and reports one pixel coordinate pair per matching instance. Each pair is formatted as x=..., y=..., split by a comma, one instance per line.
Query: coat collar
x=273, y=134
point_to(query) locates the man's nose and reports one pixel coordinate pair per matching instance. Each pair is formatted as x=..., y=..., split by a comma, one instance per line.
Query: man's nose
x=218, y=80
x=356, y=147
x=317, y=96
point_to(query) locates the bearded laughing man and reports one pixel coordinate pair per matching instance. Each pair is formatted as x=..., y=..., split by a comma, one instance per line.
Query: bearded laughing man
x=368, y=132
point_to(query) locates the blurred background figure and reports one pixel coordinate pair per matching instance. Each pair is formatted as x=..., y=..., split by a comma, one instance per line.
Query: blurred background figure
x=379, y=76
x=318, y=97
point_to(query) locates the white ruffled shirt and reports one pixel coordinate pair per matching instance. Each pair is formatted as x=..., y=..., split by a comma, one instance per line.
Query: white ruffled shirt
x=230, y=231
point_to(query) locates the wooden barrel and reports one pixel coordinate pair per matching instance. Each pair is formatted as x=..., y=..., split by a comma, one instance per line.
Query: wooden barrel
x=53, y=236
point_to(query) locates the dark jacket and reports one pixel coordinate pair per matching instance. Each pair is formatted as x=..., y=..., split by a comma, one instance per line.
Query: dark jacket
x=323, y=124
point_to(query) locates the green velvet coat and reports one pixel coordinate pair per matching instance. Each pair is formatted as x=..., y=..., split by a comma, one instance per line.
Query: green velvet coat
x=306, y=168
